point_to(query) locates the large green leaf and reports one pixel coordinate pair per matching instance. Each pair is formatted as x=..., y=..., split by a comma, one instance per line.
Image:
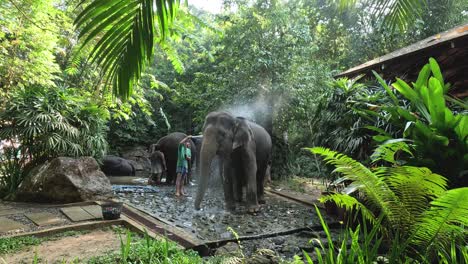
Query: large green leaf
x=388, y=149
x=423, y=76
x=385, y=86
x=436, y=72
x=462, y=128
x=406, y=90
x=436, y=103
x=379, y=196
x=125, y=33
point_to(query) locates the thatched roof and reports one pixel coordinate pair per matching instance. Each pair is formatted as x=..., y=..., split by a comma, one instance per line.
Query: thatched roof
x=449, y=48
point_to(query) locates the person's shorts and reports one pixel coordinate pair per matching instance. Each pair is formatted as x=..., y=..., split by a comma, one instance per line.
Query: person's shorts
x=182, y=170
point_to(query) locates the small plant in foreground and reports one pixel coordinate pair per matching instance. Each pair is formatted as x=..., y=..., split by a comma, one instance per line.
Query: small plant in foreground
x=14, y=244
x=416, y=214
x=135, y=249
x=234, y=233
x=11, y=171
x=361, y=249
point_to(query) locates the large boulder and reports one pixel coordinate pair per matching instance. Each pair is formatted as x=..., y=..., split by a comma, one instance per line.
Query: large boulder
x=138, y=156
x=65, y=180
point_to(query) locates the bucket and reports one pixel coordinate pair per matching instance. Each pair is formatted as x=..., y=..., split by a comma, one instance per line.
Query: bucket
x=111, y=210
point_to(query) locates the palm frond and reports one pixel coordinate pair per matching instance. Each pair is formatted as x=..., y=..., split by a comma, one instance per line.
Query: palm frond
x=445, y=221
x=125, y=33
x=400, y=13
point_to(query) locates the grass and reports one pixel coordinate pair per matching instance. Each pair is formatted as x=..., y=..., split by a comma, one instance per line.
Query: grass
x=137, y=249
x=15, y=244
x=10, y=245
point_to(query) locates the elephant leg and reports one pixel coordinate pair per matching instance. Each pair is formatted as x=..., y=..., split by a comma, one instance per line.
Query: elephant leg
x=237, y=186
x=169, y=177
x=250, y=165
x=261, y=184
x=237, y=178
x=228, y=182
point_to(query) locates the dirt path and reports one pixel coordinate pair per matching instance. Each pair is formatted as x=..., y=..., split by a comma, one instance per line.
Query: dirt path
x=81, y=247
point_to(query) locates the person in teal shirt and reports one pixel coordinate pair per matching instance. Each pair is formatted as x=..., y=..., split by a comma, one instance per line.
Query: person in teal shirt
x=183, y=158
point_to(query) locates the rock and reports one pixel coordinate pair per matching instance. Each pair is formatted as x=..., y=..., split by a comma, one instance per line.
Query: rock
x=228, y=249
x=139, y=157
x=65, y=180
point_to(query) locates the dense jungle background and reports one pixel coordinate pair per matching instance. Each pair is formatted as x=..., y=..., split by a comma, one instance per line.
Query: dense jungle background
x=271, y=61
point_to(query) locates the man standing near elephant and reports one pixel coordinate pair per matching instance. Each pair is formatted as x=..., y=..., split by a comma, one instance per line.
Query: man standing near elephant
x=183, y=157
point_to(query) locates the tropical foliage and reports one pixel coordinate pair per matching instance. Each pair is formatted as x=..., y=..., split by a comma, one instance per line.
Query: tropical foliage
x=132, y=71
x=127, y=35
x=126, y=46
x=48, y=123
x=337, y=123
x=438, y=134
x=416, y=208
x=363, y=245
x=27, y=44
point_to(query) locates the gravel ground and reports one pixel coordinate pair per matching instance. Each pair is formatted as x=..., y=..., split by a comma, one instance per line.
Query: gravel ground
x=212, y=222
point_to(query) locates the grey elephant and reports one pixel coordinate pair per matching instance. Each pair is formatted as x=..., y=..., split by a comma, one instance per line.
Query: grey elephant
x=244, y=150
x=158, y=165
x=117, y=166
x=168, y=146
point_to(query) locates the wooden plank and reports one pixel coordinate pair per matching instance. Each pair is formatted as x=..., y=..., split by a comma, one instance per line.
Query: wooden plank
x=74, y=227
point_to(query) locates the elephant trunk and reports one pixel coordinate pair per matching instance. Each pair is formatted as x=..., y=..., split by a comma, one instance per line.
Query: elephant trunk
x=207, y=153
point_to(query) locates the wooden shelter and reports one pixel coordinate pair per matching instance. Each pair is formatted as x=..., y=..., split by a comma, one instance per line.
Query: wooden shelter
x=449, y=48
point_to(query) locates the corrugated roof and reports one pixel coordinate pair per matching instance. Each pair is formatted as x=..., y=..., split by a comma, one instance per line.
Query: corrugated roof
x=449, y=48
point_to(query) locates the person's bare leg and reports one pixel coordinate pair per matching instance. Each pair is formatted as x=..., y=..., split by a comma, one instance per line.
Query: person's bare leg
x=178, y=182
x=182, y=185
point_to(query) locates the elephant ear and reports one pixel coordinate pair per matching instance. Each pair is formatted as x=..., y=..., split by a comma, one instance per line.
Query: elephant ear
x=242, y=133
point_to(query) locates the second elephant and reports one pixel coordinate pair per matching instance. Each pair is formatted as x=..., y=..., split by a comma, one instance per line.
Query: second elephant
x=168, y=145
x=117, y=166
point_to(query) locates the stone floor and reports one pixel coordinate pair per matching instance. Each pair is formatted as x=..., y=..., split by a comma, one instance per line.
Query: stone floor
x=214, y=223
x=27, y=217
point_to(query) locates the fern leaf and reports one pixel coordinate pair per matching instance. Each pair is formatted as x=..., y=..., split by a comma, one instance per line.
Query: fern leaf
x=387, y=150
x=378, y=194
x=444, y=221
x=349, y=203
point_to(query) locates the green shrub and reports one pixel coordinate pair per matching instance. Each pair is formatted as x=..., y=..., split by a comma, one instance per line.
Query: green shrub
x=420, y=217
x=12, y=165
x=438, y=135
x=338, y=122
x=52, y=122
x=148, y=250
x=10, y=245
x=363, y=245
x=47, y=123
